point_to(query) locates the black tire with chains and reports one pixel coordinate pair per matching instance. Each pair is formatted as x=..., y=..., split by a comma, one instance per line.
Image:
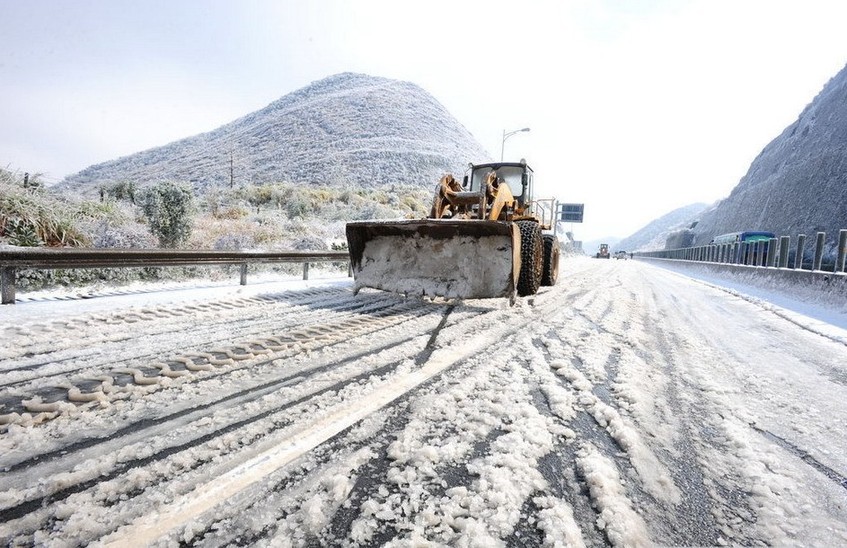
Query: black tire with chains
x=532, y=258
x=550, y=271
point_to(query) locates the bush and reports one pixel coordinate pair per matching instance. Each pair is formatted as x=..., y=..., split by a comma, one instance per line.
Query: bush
x=234, y=242
x=127, y=235
x=22, y=233
x=310, y=243
x=121, y=190
x=168, y=208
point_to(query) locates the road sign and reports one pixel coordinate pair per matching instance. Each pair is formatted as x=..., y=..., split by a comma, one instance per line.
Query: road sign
x=571, y=213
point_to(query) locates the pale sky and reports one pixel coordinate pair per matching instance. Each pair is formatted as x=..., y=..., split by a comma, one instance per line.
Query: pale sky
x=635, y=107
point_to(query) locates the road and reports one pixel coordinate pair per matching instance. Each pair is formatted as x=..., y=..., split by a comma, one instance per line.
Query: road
x=627, y=406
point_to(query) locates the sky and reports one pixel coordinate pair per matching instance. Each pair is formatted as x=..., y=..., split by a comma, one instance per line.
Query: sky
x=635, y=108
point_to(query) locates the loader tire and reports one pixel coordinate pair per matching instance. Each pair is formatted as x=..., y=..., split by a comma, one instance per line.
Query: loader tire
x=550, y=271
x=532, y=258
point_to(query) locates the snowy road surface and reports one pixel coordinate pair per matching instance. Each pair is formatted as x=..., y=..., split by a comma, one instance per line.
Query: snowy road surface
x=628, y=405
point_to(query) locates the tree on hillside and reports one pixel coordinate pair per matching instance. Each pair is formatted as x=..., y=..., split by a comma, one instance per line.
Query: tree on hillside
x=169, y=207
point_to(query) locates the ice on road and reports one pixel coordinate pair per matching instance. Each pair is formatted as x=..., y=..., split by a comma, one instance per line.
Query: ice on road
x=628, y=406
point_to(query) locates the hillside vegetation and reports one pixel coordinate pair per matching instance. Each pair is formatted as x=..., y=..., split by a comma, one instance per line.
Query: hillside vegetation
x=273, y=216
x=268, y=216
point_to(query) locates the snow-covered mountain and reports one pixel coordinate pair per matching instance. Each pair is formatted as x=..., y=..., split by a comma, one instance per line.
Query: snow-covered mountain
x=654, y=236
x=798, y=183
x=345, y=129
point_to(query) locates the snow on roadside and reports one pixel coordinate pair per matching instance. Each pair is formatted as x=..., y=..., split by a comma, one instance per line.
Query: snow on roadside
x=812, y=308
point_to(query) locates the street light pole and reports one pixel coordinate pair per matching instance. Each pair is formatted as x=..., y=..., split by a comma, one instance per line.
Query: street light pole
x=506, y=135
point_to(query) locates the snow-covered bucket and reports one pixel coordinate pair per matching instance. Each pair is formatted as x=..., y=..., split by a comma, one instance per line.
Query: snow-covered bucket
x=467, y=259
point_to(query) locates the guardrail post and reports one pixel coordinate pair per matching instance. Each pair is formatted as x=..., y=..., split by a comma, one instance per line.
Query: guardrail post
x=349, y=269
x=842, y=251
x=7, y=284
x=305, y=271
x=772, y=252
x=801, y=245
x=819, y=250
x=784, y=244
x=243, y=273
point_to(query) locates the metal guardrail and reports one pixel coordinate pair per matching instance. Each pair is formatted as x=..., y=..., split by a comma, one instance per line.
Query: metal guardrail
x=773, y=253
x=52, y=259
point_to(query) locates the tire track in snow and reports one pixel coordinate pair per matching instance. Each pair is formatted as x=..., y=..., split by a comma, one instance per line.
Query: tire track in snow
x=714, y=507
x=118, y=383
x=251, y=393
x=649, y=470
x=208, y=330
x=440, y=359
x=54, y=497
x=206, y=496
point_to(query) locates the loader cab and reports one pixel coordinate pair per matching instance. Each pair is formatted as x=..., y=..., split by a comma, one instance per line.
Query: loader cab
x=518, y=175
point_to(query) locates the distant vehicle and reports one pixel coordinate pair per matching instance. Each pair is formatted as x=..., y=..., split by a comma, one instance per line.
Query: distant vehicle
x=747, y=236
x=603, y=253
x=621, y=255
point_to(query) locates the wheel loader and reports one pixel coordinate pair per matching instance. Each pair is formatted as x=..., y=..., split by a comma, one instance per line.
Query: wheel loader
x=483, y=238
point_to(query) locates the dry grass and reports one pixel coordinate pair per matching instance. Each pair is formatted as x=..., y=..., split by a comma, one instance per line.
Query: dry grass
x=269, y=216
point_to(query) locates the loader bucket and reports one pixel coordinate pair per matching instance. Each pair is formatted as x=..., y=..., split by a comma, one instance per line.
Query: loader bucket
x=466, y=259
